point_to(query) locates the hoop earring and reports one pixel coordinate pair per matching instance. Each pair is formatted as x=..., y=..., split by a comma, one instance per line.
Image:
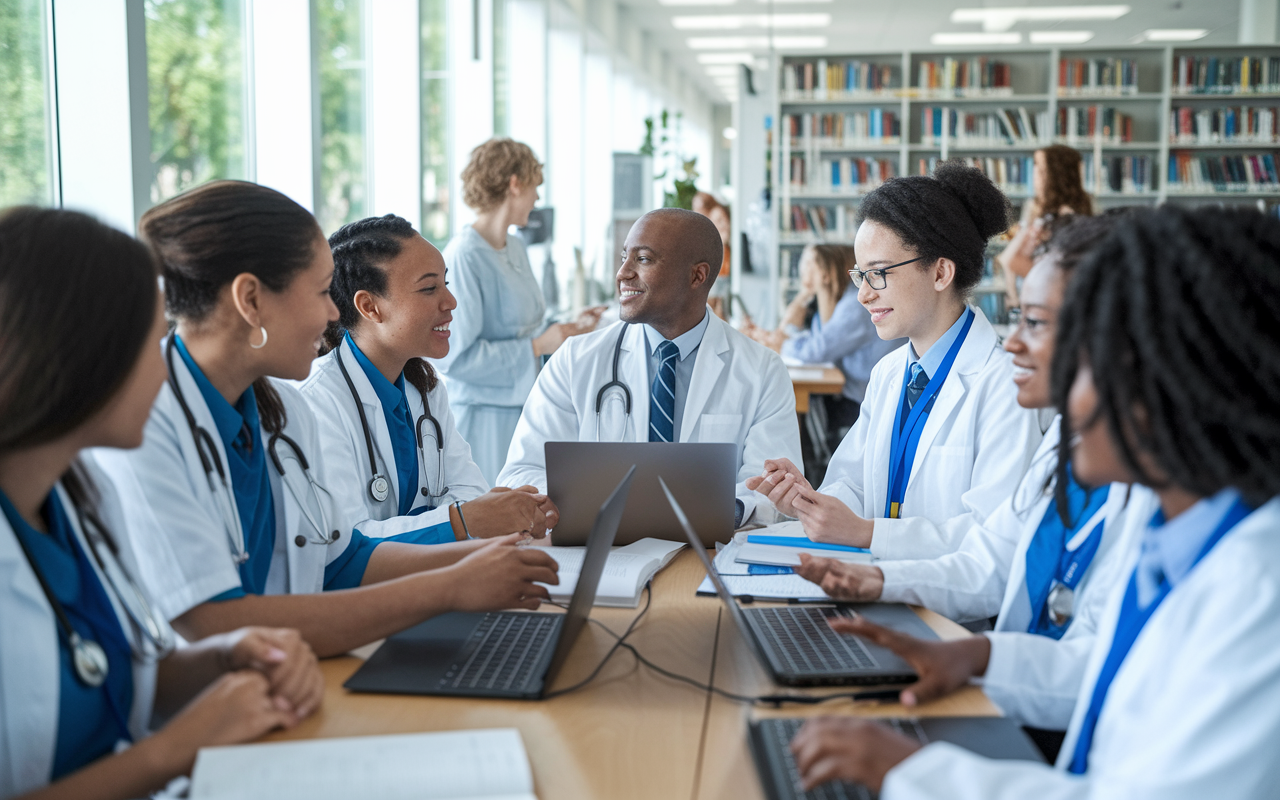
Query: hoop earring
x=264, y=340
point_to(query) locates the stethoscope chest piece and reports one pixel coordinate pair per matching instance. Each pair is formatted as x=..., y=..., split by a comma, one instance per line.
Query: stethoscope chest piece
x=89, y=661
x=1061, y=604
x=379, y=488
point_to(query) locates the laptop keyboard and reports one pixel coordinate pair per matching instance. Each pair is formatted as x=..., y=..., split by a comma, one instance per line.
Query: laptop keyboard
x=503, y=653
x=802, y=640
x=778, y=734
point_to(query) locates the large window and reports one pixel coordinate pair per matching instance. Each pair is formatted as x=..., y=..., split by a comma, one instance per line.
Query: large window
x=435, y=122
x=25, y=141
x=196, y=82
x=343, y=194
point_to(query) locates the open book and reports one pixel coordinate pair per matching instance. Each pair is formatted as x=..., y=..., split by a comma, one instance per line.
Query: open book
x=626, y=572
x=456, y=765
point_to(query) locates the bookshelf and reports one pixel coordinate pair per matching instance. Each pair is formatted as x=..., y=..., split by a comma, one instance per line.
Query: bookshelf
x=1153, y=125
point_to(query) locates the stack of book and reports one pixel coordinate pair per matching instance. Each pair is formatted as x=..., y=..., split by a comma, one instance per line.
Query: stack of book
x=968, y=77
x=1012, y=174
x=1229, y=75
x=1080, y=124
x=1223, y=125
x=1090, y=76
x=874, y=126
x=828, y=79
x=1120, y=174
x=999, y=128
x=1235, y=173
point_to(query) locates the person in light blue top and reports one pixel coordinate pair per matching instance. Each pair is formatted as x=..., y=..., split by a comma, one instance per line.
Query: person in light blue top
x=394, y=453
x=86, y=667
x=499, y=337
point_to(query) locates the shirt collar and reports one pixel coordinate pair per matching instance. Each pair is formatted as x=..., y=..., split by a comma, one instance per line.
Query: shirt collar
x=686, y=342
x=228, y=419
x=1174, y=546
x=391, y=395
x=932, y=358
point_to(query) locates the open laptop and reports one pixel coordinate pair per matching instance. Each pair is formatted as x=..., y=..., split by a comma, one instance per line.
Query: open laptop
x=797, y=646
x=581, y=474
x=507, y=654
x=993, y=737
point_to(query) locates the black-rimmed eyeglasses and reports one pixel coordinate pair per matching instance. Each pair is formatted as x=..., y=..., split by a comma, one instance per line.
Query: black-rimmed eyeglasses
x=876, y=277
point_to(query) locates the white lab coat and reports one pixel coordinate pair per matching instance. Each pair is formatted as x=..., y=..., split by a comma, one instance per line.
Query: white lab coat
x=346, y=456
x=179, y=526
x=1191, y=712
x=29, y=672
x=739, y=392
x=974, y=449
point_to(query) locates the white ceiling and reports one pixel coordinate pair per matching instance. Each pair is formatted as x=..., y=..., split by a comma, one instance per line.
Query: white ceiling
x=867, y=26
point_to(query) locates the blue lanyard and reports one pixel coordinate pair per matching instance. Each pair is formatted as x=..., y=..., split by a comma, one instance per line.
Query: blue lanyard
x=906, y=437
x=1128, y=626
x=1049, y=547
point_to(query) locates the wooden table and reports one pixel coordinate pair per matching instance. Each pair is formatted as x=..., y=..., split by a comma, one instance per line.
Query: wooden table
x=831, y=382
x=630, y=733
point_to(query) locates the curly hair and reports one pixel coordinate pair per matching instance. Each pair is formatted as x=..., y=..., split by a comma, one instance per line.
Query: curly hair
x=360, y=249
x=1064, y=181
x=487, y=176
x=951, y=214
x=1174, y=312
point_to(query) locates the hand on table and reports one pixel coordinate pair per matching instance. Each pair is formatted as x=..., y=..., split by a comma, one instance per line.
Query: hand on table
x=781, y=483
x=848, y=749
x=501, y=511
x=943, y=667
x=861, y=583
x=285, y=659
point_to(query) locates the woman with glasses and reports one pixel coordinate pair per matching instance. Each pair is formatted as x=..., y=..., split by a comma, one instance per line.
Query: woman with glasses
x=940, y=441
x=84, y=663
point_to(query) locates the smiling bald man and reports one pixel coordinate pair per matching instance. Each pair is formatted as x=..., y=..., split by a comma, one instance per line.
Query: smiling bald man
x=692, y=377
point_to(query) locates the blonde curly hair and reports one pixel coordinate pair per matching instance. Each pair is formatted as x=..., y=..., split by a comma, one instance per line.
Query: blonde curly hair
x=487, y=177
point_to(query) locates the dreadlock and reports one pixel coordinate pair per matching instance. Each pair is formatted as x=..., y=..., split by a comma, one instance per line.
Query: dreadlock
x=360, y=250
x=1174, y=312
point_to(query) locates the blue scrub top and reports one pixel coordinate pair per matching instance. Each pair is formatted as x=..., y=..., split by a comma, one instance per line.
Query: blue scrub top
x=90, y=720
x=395, y=408
x=241, y=435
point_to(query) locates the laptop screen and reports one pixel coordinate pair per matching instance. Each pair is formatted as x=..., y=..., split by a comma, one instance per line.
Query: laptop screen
x=584, y=594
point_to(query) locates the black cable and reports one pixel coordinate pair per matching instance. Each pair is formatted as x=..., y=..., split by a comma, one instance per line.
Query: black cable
x=620, y=643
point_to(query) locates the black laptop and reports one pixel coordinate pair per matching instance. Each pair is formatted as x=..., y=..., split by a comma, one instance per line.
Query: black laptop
x=507, y=654
x=797, y=646
x=993, y=737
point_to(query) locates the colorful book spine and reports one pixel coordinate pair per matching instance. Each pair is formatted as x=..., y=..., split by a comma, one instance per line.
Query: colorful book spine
x=1251, y=173
x=1226, y=125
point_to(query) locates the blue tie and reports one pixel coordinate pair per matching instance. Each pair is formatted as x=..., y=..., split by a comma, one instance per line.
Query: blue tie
x=919, y=380
x=662, y=396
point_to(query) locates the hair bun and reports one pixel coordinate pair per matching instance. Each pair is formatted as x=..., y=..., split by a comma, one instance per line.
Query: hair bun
x=986, y=204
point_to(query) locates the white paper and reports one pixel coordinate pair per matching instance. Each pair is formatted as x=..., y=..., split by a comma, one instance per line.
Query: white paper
x=806, y=373
x=624, y=575
x=792, y=361
x=454, y=765
x=787, y=556
x=779, y=587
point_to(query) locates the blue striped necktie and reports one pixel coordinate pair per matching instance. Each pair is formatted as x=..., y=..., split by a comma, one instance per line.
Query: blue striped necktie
x=919, y=380
x=662, y=395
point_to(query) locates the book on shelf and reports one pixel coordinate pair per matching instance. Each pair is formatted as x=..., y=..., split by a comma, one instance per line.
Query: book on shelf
x=1226, y=75
x=836, y=175
x=452, y=765
x=874, y=126
x=1080, y=124
x=834, y=79
x=1252, y=172
x=817, y=221
x=964, y=77
x=999, y=128
x=1120, y=174
x=1012, y=174
x=1224, y=125
x=1086, y=76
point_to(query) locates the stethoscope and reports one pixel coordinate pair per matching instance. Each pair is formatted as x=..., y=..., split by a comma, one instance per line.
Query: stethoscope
x=616, y=383
x=379, y=486
x=151, y=641
x=207, y=449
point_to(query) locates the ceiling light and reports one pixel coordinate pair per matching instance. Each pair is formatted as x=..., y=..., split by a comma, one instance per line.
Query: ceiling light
x=730, y=22
x=722, y=69
x=1060, y=37
x=793, y=1
x=730, y=133
x=725, y=58
x=696, y=2
x=756, y=42
x=975, y=38
x=1173, y=34
x=1002, y=19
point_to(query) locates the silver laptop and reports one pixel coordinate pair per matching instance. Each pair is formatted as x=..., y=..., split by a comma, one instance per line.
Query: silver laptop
x=797, y=646
x=580, y=475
